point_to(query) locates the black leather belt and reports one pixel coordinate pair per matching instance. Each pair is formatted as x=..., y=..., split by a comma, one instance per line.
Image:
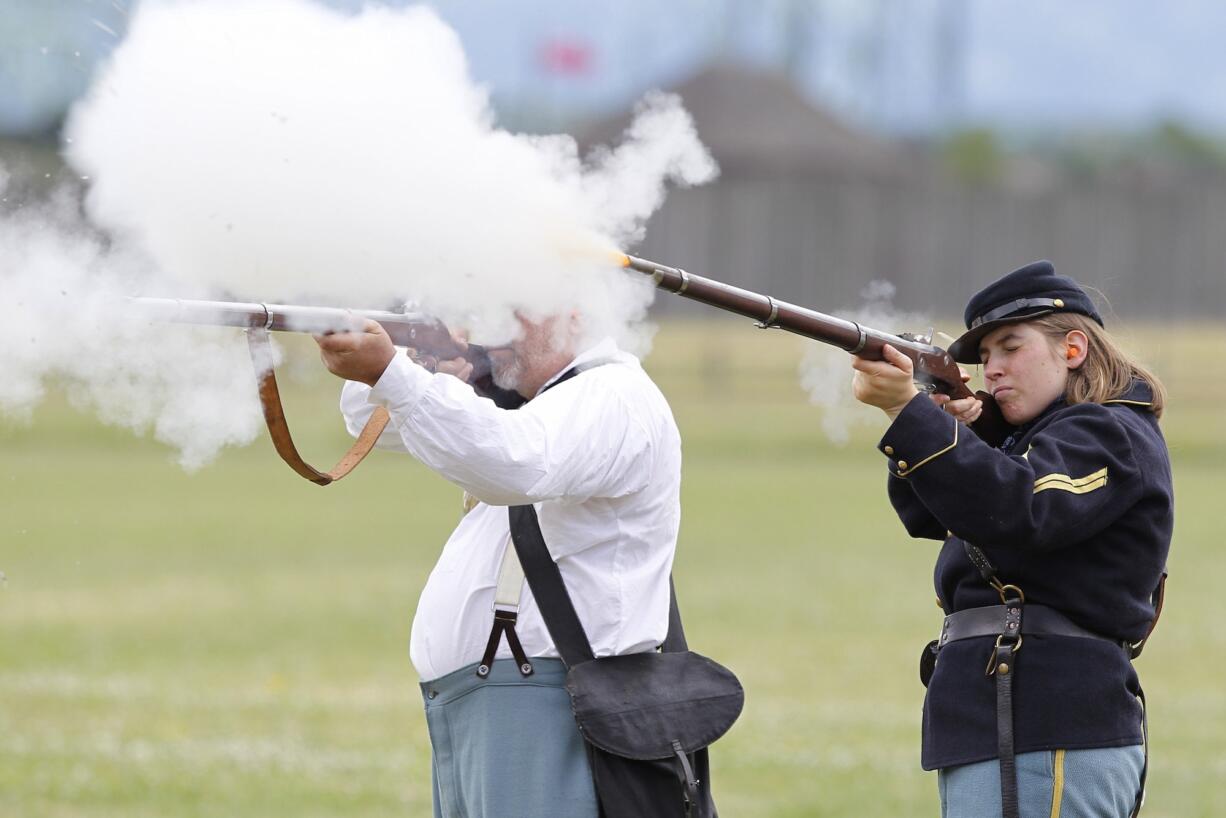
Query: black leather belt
x=991, y=620
x=1008, y=624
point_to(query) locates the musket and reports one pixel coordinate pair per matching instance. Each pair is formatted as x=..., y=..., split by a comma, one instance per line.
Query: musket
x=935, y=369
x=423, y=333
x=430, y=339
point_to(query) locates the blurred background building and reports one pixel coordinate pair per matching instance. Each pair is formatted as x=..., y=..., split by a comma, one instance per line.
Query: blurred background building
x=933, y=144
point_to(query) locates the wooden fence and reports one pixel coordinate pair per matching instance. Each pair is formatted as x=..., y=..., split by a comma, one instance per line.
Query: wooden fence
x=1156, y=251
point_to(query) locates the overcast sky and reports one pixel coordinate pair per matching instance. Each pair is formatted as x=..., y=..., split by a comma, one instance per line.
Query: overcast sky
x=1105, y=61
x=893, y=64
x=1090, y=63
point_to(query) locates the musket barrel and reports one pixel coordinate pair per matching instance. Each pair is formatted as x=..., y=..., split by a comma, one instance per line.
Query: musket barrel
x=405, y=329
x=209, y=313
x=280, y=317
x=933, y=364
x=766, y=310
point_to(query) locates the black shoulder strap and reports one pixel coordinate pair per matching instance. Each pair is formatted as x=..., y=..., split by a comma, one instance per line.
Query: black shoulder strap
x=549, y=591
x=674, y=642
x=985, y=567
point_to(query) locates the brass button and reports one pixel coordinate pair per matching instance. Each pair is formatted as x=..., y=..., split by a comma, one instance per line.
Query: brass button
x=1003, y=670
x=888, y=449
x=940, y=604
x=1059, y=302
x=902, y=465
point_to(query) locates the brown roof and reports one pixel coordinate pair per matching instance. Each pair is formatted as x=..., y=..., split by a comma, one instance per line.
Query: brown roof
x=751, y=119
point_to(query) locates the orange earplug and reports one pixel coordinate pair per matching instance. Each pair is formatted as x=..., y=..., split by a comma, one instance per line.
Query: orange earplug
x=1071, y=352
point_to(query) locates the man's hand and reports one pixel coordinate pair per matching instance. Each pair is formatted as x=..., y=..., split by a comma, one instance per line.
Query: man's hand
x=459, y=367
x=357, y=356
x=888, y=384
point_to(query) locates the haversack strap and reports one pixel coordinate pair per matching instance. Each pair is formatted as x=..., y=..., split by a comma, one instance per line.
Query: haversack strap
x=1140, y=799
x=985, y=567
x=553, y=600
x=674, y=642
x=1157, y=597
x=511, y=573
x=687, y=779
x=545, y=580
x=1003, y=665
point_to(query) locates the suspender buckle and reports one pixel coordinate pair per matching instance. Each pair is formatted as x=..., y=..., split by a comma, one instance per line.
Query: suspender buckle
x=504, y=623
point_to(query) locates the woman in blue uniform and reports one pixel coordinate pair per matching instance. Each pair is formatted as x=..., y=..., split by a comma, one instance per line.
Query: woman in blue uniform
x=1055, y=546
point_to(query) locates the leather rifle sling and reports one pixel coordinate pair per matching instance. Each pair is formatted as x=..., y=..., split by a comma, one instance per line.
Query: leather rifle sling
x=278, y=429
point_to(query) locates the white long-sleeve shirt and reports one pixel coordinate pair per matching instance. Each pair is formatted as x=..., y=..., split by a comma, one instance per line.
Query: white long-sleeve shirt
x=600, y=457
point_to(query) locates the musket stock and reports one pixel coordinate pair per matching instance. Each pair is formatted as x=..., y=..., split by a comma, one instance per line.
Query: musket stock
x=934, y=367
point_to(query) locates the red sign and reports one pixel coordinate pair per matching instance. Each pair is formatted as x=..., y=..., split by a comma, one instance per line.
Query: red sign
x=566, y=57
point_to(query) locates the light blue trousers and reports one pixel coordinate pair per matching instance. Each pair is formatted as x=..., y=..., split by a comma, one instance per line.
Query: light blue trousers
x=507, y=746
x=1099, y=783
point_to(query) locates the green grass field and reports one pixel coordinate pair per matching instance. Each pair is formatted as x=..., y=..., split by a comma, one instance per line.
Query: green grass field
x=234, y=642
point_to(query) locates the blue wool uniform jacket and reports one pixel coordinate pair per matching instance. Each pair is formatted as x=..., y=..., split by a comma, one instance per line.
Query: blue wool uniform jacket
x=1076, y=509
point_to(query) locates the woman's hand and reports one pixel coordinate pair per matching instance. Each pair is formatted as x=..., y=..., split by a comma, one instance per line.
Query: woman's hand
x=966, y=410
x=888, y=384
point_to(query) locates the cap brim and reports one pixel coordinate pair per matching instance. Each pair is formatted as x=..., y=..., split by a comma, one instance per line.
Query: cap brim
x=965, y=350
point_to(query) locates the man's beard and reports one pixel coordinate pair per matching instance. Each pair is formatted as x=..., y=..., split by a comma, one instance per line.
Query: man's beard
x=507, y=375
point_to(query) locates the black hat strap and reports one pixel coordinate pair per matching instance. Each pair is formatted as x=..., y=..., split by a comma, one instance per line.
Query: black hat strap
x=1005, y=310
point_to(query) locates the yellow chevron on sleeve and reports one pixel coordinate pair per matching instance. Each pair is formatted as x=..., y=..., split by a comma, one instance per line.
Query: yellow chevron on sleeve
x=1073, y=485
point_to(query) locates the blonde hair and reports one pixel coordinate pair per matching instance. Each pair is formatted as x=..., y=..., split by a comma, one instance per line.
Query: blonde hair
x=1108, y=372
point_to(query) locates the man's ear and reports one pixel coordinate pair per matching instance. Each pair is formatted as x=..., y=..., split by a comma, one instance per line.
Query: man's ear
x=575, y=323
x=1076, y=347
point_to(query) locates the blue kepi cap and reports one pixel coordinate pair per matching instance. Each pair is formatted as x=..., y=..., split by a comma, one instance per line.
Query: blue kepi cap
x=1025, y=293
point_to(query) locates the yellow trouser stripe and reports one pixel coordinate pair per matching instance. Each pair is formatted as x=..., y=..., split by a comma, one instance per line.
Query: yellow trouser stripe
x=1057, y=784
x=1075, y=485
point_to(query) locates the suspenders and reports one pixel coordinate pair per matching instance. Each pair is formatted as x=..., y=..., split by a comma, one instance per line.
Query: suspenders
x=506, y=610
x=510, y=586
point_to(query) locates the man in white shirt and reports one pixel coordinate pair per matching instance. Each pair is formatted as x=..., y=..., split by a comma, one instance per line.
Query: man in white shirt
x=596, y=450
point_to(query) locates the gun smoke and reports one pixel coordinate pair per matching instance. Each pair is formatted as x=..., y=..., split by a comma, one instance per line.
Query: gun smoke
x=826, y=374
x=61, y=316
x=284, y=152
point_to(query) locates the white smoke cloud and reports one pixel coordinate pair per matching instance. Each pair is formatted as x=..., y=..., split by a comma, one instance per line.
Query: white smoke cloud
x=283, y=152
x=63, y=315
x=826, y=373
x=298, y=152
